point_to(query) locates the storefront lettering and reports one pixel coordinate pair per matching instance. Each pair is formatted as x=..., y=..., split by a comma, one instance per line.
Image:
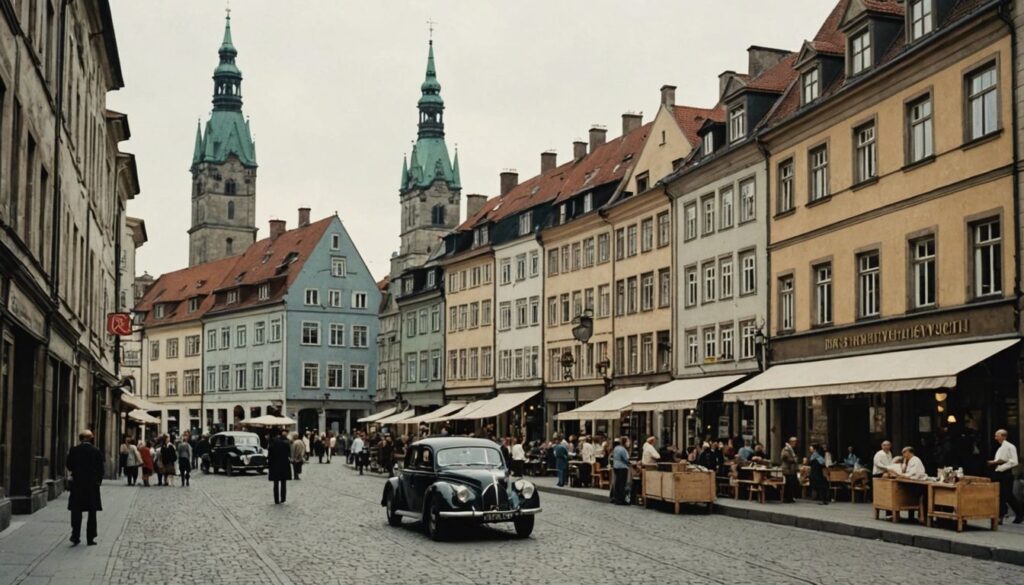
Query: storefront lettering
x=22, y=309
x=899, y=334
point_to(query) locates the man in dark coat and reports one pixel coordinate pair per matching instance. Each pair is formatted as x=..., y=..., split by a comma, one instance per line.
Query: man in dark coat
x=279, y=467
x=85, y=462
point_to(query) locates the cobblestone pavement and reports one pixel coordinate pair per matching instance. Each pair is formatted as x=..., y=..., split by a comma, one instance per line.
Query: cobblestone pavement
x=333, y=531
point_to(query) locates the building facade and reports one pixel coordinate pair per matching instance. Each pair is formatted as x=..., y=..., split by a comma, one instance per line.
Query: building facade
x=422, y=308
x=469, y=299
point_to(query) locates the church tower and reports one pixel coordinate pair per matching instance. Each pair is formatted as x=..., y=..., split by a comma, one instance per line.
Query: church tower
x=223, y=169
x=430, y=191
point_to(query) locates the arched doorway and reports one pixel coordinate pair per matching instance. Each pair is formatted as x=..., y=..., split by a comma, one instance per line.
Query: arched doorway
x=238, y=417
x=309, y=420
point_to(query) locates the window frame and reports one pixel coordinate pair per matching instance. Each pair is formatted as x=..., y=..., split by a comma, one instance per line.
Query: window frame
x=813, y=167
x=990, y=62
x=914, y=263
x=805, y=86
x=823, y=297
x=873, y=273
x=861, y=60
x=785, y=186
x=910, y=125
x=870, y=148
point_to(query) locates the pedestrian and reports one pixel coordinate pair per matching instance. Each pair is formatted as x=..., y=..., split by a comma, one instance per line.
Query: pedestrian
x=305, y=446
x=146, y=454
x=790, y=468
x=650, y=454
x=882, y=460
x=332, y=444
x=357, y=452
x=387, y=455
x=185, y=459
x=122, y=456
x=588, y=460
x=168, y=457
x=620, y=471
x=518, y=455
x=202, y=447
x=85, y=462
x=819, y=483
x=298, y=455
x=1002, y=472
x=279, y=469
x=132, y=461
x=561, y=452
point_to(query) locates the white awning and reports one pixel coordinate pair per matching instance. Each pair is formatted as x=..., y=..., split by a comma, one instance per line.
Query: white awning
x=436, y=413
x=378, y=415
x=143, y=417
x=496, y=406
x=929, y=368
x=680, y=394
x=137, y=402
x=396, y=418
x=468, y=409
x=474, y=391
x=606, y=407
x=268, y=420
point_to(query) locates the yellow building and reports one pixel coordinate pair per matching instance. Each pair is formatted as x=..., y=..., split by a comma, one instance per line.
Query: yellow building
x=891, y=249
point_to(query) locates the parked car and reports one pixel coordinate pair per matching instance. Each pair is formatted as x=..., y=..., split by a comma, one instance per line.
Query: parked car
x=234, y=451
x=449, y=479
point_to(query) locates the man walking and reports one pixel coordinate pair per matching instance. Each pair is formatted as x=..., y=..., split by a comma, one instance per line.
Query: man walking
x=1003, y=464
x=298, y=455
x=357, y=452
x=279, y=468
x=620, y=467
x=85, y=462
x=790, y=468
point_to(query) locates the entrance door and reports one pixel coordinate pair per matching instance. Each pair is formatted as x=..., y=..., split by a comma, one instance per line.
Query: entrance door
x=6, y=380
x=852, y=428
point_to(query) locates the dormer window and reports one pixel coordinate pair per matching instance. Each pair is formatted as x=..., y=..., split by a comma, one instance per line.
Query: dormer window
x=407, y=285
x=159, y=311
x=811, y=84
x=860, y=51
x=193, y=305
x=431, y=279
x=480, y=236
x=588, y=203
x=921, y=18
x=709, y=143
x=264, y=292
x=643, y=182
x=525, y=223
x=737, y=123
x=232, y=297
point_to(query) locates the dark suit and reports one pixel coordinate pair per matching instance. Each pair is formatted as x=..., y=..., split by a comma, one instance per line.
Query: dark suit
x=85, y=463
x=279, y=469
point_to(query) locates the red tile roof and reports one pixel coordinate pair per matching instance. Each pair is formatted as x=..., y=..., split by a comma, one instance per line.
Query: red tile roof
x=607, y=163
x=830, y=39
x=382, y=284
x=893, y=7
x=474, y=219
x=776, y=78
x=691, y=119
x=532, y=192
x=173, y=290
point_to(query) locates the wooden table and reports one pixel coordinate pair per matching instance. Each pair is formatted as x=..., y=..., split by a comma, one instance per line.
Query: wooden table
x=970, y=497
x=898, y=495
x=760, y=478
x=679, y=487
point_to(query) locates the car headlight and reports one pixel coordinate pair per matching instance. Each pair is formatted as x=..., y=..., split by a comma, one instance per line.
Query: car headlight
x=462, y=493
x=526, y=488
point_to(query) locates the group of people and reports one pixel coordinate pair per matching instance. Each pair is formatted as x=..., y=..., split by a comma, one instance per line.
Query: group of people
x=166, y=456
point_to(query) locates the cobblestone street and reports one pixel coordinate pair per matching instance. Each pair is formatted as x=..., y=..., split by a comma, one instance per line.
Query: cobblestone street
x=332, y=530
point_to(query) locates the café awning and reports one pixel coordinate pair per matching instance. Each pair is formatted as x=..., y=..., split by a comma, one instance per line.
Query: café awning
x=378, y=415
x=435, y=414
x=468, y=409
x=928, y=368
x=474, y=391
x=682, y=393
x=606, y=407
x=396, y=418
x=141, y=416
x=497, y=406
x=137, y=402
x=268, y=421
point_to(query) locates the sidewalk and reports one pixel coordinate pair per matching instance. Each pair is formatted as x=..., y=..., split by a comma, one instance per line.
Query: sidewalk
x=1005, y=545
x=34, y=549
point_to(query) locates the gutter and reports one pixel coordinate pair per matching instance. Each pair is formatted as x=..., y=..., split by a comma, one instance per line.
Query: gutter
x=58, y=124
x=761, y=146
x=1005, y=16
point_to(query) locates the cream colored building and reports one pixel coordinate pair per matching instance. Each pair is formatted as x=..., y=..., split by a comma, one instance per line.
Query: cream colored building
x=172, y=362
x=469, y=337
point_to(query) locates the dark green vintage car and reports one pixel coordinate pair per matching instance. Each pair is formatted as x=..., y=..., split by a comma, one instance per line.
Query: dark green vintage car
x=451, y=479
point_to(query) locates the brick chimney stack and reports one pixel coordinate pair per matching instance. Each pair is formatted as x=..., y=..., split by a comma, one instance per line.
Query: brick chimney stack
x=548, y=160
x=579, y=150
x=597, y=136
x=668, y=96
x=277, y=227
x=474, y=203
x=631, y=122
x=303, y=216
x=509, y=179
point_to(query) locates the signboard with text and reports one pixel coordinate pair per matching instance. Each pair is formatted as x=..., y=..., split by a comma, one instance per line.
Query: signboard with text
x=119, y=324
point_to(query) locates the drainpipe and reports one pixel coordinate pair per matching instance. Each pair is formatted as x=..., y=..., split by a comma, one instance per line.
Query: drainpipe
x=58, y=125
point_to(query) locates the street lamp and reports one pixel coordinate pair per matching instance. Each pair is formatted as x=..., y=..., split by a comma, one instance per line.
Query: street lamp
x=761, y=348
x=584, y=326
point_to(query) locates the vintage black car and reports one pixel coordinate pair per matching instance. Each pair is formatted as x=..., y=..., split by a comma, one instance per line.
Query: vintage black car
x=450, y=479
x=234, y=451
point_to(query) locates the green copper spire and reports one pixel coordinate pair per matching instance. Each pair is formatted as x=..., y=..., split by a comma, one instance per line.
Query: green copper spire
x=431, y=105
x=197, y=151
x=405, y=172
x=227, y=78
x=456, y=179
x=429, y=161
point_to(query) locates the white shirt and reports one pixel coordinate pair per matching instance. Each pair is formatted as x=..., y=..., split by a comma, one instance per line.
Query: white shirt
x=1008, y=454
x=650, y=455
x=587, y=453
x=518, y=453
x=881, y=462
x=357, y=445
x=914, y=469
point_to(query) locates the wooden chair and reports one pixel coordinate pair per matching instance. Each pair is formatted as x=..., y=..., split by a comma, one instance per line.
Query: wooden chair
x=860, y=481
x=574, y=476
x=599, y=477
x=728, y=486
x=778, y=484
x=755, y=488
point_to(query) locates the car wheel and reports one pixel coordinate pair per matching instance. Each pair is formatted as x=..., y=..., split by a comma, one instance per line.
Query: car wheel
x=524, y=526
x=229, y=470
x=435, y=525
x=392, y=510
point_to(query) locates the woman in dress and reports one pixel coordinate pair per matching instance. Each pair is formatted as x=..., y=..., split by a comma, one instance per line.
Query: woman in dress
x=132, y=462
x=146, y=454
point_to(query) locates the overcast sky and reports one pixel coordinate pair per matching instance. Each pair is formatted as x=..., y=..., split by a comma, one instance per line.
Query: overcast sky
x=331, y=86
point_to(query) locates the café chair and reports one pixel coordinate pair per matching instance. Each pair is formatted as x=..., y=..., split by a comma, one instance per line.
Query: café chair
x=599, y=477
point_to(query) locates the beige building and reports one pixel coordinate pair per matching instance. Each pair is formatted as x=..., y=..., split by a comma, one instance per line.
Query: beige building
x=469, y=337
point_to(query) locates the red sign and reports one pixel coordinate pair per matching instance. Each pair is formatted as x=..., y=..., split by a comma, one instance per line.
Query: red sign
x=119, y=324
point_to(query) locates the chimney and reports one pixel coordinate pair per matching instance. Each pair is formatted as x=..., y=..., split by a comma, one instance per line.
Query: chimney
x=631, y=122
x=474, y=203
x=723, y=80
x=579, y=150
x=509, y=179
x=668, y=96
x=277, y=227
x=303, y=216
x=597, y=134
x=761, y=59
x=548, y=160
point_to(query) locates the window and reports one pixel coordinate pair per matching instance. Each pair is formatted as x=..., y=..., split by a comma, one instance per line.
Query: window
x=172, y=383
x=410, y=324
x=603, y=247
x=535, y=310
x=435, y=364
x=577, y=256
x=620, y=297
x=552, y=262
x=748, y=333
x=274, y=374
x=588, y=202
x=664, y=287
x=691, y=286
x=338, y=267
x=154, y=385
x=632, y=353
x=631, y=295
x=480, y=236
x=225, y=377
x=785, y=200
x=988, y=271
x=737, y=123
x=487, y=274
x=710, y=344
x=709, y=143
x=604, y=300
x=647, y=292
x=748, y=275
x=710, y=278
x=505, y=364
x=823, y=294
x=453, y=364
x=232, y=297
x=868, y=293
x=552, y=311
x=312, y=296
x=423, y=321
x=643, y=181
x=192, y=345
x=920, y=18
x=240, y=374
x=193, y=305
x=334, y=297
x=310, y=375
x=505, y=270
x=864, y=145
x=172, y=348
x=335, y=242
x=485, y=362
x=335, y=376
x=725, y=274
x=225, y=337
x=692, y=349
x=726, y=202
x=725, y=341
x=410, y=367
x=535, y=261
x=359, y=300
x=860, y=52
x=336, y=335
x=982, y=102
x=922, y=257
x=360, y=336
x=275, y=330
x=240, y=336
x=631, y=240
x=485, y=313
x=690, y=221
x=211, y=378
x=154, y=350
x=310, y=333
x=647, y=235
x=522, y=313
x=708, y=206
x=588, y=252
x=525, y=223
x=748, y=202
x=566, y=260
x=818, y=158
x=787, y=307
x=919, y=134
x=811, y=86
x=664, y=229
x=563, y=300
x=431, y=279
x=211, y=340
x=504, y=316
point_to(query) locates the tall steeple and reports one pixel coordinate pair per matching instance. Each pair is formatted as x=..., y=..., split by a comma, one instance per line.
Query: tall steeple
x=431, y=105
x=429, y=160
x=227, y=78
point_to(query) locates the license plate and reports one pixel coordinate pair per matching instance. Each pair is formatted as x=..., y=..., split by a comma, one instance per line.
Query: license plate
x=498, y=516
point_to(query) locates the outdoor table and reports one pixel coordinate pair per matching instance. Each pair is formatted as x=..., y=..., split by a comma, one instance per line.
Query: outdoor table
x=895, y=495
x=678, y=487
x=761, y=476
x=970, y=497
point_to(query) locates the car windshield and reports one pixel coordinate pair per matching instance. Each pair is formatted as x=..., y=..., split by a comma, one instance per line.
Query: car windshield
x=469, y=457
